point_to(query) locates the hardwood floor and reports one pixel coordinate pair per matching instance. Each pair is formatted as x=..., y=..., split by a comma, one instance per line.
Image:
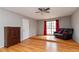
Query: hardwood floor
x=43, y=44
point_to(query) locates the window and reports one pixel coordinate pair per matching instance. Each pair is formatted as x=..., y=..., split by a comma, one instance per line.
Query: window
x=51, y=27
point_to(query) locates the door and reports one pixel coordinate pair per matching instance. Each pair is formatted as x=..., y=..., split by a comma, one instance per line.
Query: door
x=51, y=27
x=25, y=29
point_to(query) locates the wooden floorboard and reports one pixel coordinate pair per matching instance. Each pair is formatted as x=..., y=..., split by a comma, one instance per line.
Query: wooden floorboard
x=43, y=44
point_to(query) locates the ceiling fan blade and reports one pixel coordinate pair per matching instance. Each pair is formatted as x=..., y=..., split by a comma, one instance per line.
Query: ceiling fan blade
x=47, y=8
x=40, y=9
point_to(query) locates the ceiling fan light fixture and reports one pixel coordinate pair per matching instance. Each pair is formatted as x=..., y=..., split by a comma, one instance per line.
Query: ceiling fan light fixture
x=43, y=10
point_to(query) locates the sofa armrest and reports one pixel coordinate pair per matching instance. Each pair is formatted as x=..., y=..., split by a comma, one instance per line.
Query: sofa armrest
x=55, y=32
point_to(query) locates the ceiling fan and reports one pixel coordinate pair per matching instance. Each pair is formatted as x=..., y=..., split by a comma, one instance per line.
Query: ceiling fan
x=43, y=10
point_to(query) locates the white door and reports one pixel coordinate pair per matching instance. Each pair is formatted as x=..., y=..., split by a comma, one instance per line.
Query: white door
x=25, y=29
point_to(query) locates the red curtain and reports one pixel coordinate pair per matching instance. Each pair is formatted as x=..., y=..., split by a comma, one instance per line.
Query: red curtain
x=57, y=25
x=45, y=28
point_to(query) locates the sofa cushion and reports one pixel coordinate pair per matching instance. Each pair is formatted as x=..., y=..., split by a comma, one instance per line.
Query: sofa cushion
x=58, y=34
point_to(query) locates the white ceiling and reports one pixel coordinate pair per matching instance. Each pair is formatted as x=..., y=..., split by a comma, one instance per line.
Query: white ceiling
x=54, y=12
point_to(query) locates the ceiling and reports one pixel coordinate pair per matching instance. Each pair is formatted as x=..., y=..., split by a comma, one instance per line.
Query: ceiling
x=54, y=12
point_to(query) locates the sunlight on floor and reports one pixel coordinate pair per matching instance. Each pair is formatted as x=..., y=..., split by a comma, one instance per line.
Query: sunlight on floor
x=50, y=38
x=51, y=47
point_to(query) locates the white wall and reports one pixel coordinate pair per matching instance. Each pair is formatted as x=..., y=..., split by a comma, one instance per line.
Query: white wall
x=8, y=19
x=75, y=25
x=25, y=28
x=64, y=22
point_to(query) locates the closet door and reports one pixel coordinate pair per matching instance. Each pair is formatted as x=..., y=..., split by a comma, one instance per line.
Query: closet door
x=12, y=36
